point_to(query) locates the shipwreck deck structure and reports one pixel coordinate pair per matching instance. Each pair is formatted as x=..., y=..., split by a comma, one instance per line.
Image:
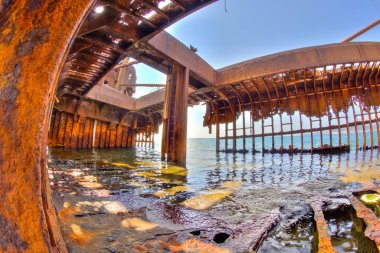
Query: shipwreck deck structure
x=54, y=54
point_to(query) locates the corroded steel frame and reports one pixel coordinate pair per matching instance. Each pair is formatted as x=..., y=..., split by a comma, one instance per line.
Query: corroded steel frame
x=32, y=52
x=295, y=90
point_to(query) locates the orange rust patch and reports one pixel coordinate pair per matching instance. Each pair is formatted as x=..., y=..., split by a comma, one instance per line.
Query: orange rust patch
x=373, y=224
x=197, y=246
x=324, y=239
x=70, y=211
x=33, y=44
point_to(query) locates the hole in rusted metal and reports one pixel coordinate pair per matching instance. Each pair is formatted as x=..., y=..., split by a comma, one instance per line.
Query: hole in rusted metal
x=221, y=237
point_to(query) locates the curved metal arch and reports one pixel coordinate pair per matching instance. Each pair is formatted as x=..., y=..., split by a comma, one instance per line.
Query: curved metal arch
x=309, y=57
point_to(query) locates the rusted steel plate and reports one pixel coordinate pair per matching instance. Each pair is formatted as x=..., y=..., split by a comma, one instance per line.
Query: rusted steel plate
x=34, y=37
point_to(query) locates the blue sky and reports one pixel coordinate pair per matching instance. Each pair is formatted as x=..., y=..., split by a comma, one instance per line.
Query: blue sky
x=253, y=28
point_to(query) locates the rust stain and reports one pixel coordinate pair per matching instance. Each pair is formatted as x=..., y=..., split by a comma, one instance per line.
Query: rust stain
x=33, y=43
x=10, y=237
x=4, y=4
x=324, y=239
x=372, y=230
x=33, y=4
x=32, y=38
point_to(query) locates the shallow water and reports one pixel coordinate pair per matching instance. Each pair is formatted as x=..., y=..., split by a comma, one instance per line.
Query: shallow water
x=298, y=237
x=346, y=231
x=128, y=200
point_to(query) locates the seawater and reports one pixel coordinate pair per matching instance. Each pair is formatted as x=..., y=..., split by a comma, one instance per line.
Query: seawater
x=345, y=139
x=127, y=200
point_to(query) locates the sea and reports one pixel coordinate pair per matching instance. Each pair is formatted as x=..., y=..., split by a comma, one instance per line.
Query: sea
x=128, y=200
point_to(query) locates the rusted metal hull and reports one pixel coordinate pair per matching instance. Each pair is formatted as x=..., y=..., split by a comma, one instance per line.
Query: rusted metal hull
x=34, y=42
x=32, y=51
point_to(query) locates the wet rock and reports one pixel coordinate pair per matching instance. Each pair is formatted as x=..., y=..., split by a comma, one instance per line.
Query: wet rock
x=138, y=224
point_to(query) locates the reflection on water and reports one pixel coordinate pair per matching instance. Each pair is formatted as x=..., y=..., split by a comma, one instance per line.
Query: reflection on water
x=125, y=200
x=298, y=237
x=347, y=231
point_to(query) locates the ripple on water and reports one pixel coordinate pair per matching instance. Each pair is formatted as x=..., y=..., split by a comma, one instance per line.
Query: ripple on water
x=214, y=191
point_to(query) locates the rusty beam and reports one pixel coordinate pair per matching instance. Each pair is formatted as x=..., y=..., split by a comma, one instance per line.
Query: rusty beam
x=362, y=31
x=324, y=239
x=370, y=219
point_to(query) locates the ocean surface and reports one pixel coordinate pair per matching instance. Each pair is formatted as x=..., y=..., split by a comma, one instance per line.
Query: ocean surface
x=128, y=200
x=345, y=139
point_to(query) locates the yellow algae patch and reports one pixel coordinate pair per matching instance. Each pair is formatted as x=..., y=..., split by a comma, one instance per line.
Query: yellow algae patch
x=91, y=185
x=138, y=224
x=148, y=164
x=125, y=165
x=196, y=246
x=370, y=198
x=89, y=182
x=109, y=206
x=146, y=174
x=234, y=185
x=363, y=176
x=206, y=200
x=88, y=178
x=78, y=236
x=175, y=170
x=171, y=191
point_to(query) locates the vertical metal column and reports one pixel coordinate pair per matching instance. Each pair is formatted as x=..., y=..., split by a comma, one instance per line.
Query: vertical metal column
x=244, y=130
x=328, y=108
x=262, y=134
x=253, y=134
x=363, y=126
x=272, y=133
x=356, y=127
x=225, y=129
x=299, y=111
x=282, y=133
x=217, y=131
x=234, y=129
x=174, y=138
